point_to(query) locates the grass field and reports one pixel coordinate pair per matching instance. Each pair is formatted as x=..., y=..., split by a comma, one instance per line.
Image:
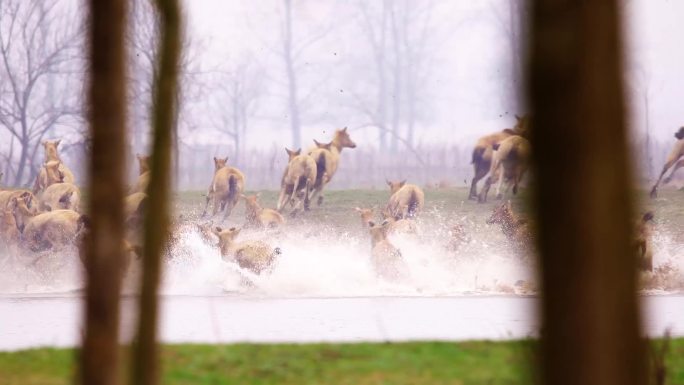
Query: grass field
x=350, y=364
x=442, y=205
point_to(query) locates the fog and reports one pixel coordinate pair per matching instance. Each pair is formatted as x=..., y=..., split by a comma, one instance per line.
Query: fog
x=416, y=82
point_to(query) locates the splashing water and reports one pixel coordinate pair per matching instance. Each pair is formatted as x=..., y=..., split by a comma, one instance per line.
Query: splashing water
x=320, y=262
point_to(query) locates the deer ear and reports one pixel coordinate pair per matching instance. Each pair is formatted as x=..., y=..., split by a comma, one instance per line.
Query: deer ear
x=388, y=182
x=225, y=159
x=518, y=118
x=403, y=182
x=299, y=151
x=288, y=151
x=215, y=160
x=317, y=143
x=344, y=129
x=57, y=142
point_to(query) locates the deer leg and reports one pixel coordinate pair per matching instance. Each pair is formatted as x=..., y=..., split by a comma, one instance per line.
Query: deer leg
x=307, y=201
x=281, y=198
x=654, y=190
x=480, y=173
x=676, y=167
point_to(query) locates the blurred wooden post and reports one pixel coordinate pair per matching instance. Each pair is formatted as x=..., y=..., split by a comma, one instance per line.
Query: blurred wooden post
x=146, y=352
x=584, y=200
x=102, y=247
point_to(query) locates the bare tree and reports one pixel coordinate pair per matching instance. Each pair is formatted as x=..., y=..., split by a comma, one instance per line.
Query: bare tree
x=164, y=113
x=235, y=102
x=142, y=39
x=401, y=38
x=39, y=52
x=511, y=19
x=103, y=249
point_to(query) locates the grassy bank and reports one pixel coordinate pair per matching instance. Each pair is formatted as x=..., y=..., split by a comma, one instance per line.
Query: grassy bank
x=409, y=363
x=404, y=363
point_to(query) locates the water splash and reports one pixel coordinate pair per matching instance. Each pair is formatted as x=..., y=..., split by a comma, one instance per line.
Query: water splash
x=319, y=261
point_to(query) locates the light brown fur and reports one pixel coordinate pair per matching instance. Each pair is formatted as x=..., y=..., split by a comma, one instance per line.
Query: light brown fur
x=256, y=256
x=30, y=199
x=642, y=241
x=483, y=151
x=510, y=162
x=9, y=233
x=298, y=180
x=61, y=196
x=257, y=216
x=395, y=226
x=385, y=257
x=143, y=163
x=51, y=155
x=406, y=201
x=457, y=237
x=327, y=158
x=226, y=187
x=673, y=159
x=49, y=230
x=143, y=174
x=516, y=229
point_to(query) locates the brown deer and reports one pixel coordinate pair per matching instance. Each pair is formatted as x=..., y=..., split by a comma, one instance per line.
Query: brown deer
x=457, y=237
x=59, y=195
x=51, y=155
x=642, y=241
x=516, y=229
x=385, y=257
x=483, y=151
x=298, y=180
x=406, y=200
x=674, y=159
x=143, y=174
x=327, y=158
x=257, y=216
x=28, y=197
x=48, y=230
x=510, y=162
x=225, y=189
x=256, y=256
x=396, y=226
x=9, y=231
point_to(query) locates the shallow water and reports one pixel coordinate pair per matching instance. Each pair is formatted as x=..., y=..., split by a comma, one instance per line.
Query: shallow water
x=322, y=288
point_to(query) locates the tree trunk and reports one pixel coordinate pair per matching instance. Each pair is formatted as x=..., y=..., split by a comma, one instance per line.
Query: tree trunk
x=293, y=98
x=396, y=87
x=103, y=244
x=23, y=155
x=591, y=323
x=146, y=351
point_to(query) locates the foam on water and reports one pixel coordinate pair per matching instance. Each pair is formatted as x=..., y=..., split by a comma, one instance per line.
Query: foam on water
x=318, y=262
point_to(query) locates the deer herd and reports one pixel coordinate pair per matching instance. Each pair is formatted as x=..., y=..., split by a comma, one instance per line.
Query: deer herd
x=49, y=217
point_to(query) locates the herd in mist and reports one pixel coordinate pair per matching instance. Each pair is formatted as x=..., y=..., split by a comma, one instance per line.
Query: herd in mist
x=50, y=216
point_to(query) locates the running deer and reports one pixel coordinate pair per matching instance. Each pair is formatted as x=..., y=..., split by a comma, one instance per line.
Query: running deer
x=674, y=159
x=257, y=216
x=406, y=200
x=298, y=181
x=327, y=158
x=256, y=256
x=225, y=189
x=483, y=151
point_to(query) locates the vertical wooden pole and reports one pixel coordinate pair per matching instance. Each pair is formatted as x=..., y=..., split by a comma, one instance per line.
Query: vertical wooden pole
x=591, y=329
x=102, y=248
x=146, y=352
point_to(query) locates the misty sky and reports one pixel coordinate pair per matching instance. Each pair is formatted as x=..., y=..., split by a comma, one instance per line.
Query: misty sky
x=466, y=98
